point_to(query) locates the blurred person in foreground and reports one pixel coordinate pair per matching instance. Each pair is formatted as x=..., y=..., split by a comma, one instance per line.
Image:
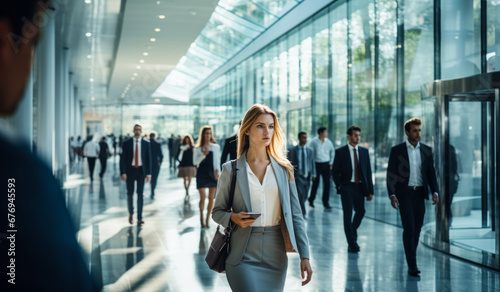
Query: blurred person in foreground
x=38, y=246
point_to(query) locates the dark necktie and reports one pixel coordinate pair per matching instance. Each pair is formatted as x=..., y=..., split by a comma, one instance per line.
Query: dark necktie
x=136, y=155
x=303, y=162
x=356, y=167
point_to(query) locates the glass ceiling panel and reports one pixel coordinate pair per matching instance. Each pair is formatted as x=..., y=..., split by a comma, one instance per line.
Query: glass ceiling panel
x=232, y=26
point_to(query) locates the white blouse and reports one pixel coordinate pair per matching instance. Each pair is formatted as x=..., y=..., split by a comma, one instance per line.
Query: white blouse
x=198, y=156
x=265, y=198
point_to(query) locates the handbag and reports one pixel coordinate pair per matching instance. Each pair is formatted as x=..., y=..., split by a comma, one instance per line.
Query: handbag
x=219, y=248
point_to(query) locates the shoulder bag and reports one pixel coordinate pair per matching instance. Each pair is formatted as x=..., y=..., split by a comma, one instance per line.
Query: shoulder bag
x=219, y=248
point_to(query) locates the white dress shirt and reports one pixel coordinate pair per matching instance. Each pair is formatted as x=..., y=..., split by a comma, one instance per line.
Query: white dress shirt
x=351, y=152
x=91, y=149
x=134, y=140
x=415, y=165
x=265, y=198
x=323, y=151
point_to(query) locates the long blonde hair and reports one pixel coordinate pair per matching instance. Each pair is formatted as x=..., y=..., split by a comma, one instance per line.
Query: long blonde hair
x=201, y=139
x=277, y=147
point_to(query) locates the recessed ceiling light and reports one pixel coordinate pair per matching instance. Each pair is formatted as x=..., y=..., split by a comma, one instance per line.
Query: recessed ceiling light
x=88, y=34
x=152, y=39
x=192, y=12
x=138, y=67
x=145, y=53
x=157, y=100
x=133, y=78
x=157, y=29
x=88, y=1
x=157, y=2
x=141, y=61
x=92, y=98
x=135, y=74
x=161, y=16
x=89, y=56
x=91, y=79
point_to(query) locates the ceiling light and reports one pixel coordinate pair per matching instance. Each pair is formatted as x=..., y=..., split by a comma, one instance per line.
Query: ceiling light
x=157, y=29
x=157, y=100
x=133, y=78
x=89, y=56
x=135, y=74
x=92, y=98
x=157, y=2
x=192, y=12
x=152, y=39
x=161, y=16
x=141, y=61
x=91, y=79
x=138, y=67
x=88, y=1
x=145, y=53
x=88, y=34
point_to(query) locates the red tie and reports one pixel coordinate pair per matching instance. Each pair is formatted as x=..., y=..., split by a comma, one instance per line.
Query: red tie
x=356, y=169
x=136, y=155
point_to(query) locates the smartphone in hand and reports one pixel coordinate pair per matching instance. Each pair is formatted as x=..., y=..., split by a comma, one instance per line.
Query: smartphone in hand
x=253, y=215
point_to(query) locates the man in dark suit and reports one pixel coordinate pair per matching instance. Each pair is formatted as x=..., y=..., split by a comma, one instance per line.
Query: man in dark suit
x=410, y=174
x=38, y=246
x=230, y=147
x=302, y=159
x=157, y=159
x=135, y=165
x=352, y=174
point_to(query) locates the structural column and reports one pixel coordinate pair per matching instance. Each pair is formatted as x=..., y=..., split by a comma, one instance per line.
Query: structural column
x=47, y=92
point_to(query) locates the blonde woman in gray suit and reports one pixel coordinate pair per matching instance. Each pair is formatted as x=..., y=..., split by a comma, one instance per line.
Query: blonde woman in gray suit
x=265, y=184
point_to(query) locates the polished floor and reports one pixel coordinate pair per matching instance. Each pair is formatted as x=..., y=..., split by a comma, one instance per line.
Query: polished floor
x=167, y=252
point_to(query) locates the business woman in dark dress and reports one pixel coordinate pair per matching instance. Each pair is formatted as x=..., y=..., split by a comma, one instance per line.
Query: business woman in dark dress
x=265, y=184
x=187, y=170
x=206, y=157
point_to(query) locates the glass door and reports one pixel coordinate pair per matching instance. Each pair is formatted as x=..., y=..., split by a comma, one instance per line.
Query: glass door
x=470, y=193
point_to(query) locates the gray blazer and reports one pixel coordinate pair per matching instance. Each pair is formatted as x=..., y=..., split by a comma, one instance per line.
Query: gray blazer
x=242, y=203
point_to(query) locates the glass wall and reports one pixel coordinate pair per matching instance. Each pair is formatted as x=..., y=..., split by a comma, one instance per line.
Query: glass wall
x=363, y=62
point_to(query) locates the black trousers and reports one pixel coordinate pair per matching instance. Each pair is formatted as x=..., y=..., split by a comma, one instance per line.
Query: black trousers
x=154, y=178
x=412, y=210
x=135, y=174
x=322, y=170
x=352, y=197
x=103, y=166
x=91, y=162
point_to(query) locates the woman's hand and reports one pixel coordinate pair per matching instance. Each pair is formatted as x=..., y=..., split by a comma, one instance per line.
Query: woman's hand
x=216, y=174
x=242, y=219
x=305, y=266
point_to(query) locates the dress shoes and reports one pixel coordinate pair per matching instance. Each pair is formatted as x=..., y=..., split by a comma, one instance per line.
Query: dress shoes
x=140, y=222
x=354, y=249
x=415, y=272
x=311, y=204
x=327, y=207
x=130, y=218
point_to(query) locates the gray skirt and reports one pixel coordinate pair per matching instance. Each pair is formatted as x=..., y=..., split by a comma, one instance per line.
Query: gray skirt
x=263, y=265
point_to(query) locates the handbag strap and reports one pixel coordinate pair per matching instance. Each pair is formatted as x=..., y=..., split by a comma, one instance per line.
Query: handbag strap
x=233, y=184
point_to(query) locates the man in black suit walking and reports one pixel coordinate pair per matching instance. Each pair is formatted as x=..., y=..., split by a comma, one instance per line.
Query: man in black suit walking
x=230, y=147
x=302, y=159
x=352, y=174
x=410, y=174
x=135, y=165
x=157, y=159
